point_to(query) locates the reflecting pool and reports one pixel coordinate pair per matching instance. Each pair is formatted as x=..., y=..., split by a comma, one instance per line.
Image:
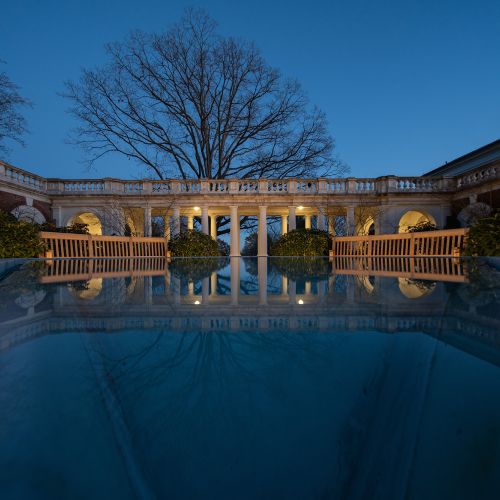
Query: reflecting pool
x=250, y=378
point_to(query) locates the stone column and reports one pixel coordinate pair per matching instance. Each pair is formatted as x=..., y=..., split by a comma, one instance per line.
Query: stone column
x=350, y=221
x=213, y=284
x=262, y=243
x=213, y=226
x=284, y=227
x=235, y=281
x=177, y=221
x=307, y=221
x=307, y=290
x=235, y=232
x=205, y=287
x=147, y=221
x=292, y=291
x=292, y=220
x=204, y=219
x=284, y=285
x=166, y=227
x=321, y=219
x=331, y=224
x=190, y=222
x=262, y=270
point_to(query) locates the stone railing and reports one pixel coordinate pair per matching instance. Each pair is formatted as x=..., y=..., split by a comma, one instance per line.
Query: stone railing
x=320, y=186
x=20, y=177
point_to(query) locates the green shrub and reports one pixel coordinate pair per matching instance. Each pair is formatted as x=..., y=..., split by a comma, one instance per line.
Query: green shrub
x=484, y=237
x=302, y=243
x=19, y=239
x=300, y=268
x=422, y=227
x=75, y=228
x=194, y=269
x=192, y=243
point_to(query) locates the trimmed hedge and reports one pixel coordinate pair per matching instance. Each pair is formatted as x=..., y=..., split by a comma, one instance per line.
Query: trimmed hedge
x=299, y=268
x=192, y=243
x=302, y=243
x=422, y=227
x=484, y=237
x=19, y=239
x=194, y=269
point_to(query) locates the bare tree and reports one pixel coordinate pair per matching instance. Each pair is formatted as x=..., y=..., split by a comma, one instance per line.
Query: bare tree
x=190, y=103
x=12, y=123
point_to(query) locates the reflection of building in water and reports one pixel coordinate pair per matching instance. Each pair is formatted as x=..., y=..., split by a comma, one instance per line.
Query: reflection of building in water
x=268, y=300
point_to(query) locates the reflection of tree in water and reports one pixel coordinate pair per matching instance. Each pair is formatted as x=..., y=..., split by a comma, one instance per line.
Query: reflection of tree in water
x=192, y=372
x=195, y=269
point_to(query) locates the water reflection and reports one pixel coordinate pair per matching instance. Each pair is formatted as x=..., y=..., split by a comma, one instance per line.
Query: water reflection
x=250, y=378
x=430, y=295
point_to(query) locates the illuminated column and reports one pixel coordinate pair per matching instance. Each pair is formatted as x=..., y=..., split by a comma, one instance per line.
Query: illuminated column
x=262, y=270
x=308, y=288
x=283, y=224
x=213, y=284
x=307, y=221
x=148, y=290
x=321, y=219
x=147, y=221
x=213, y=226
x=292, y=291
x=176, y=282
x=350, y=221
x=190, y=222
x=262, y=243
x=292, y=220
x=235, y=232
x=284, y=285
x=205, y=287
x=190, y=288
x=331, y=224
x=235, y=281
x=177, y=221
x=166, y=227
x=204, y=219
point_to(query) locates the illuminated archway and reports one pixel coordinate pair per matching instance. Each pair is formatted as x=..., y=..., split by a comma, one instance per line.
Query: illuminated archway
x=367, y=227
x=412, y=218
x=93, y=222
x=415, y=289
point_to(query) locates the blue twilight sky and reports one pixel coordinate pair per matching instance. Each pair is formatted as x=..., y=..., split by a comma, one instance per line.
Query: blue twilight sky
x=406, y=85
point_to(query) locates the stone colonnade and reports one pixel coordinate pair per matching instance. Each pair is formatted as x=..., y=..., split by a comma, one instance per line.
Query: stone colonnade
x=208, y=217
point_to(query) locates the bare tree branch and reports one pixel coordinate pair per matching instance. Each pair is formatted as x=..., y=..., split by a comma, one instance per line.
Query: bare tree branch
x=189, y=103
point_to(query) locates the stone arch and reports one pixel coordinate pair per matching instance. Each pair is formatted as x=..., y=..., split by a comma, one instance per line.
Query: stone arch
x=415, y=289
x=413, y=217
x=367, y=227
x=90, y=218
x=28, y=214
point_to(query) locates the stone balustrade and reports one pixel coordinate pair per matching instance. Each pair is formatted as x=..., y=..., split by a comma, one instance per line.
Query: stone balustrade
x=351, y=185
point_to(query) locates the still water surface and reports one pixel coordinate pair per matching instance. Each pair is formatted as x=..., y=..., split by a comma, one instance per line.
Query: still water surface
x=250, y=378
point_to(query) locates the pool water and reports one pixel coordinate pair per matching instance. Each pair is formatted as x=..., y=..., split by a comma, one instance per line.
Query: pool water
x=250, y=379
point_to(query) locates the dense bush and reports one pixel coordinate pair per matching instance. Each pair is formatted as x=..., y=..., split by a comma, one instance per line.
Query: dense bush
x=19, y=239
x=484, y=237
x=302, y=243
x=75, y=228
x=194, y=269
x=192, y=243
x=422, y=227
x=300, y=268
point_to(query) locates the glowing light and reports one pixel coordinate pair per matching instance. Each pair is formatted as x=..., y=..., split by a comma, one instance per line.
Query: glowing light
x=300, y=301
x=196, y=209
x=300, y=207
x=197, y=302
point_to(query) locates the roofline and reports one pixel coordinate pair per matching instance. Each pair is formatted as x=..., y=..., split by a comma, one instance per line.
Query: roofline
x=468, y=156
